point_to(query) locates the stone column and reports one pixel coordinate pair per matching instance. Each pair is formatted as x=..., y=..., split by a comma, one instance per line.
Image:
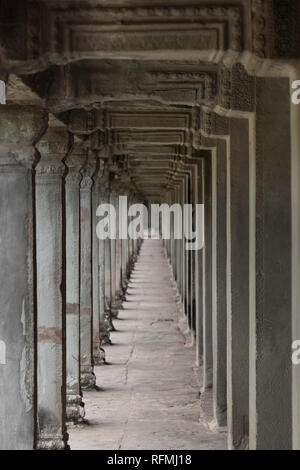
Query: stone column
x=133, y=243
x=183, y=253
x=51, y=308
x=113, y=265
x=108, y=275
x=104, y=326
x=124, y=266
x=129, y=251
x=88, y=379
x=199, y=275
x=19, y=128
x=98, y=352
x=176, y=244
x=271, y=418
x=187, y=264
x=238, y=285
x=207, y=278
x=193, y=263
x=295, y=181
x=118, y=300
x=188, y=284
x=172, y=237
x=130, y=243
x=219, y=295
x=75, y=162
x=124, y=254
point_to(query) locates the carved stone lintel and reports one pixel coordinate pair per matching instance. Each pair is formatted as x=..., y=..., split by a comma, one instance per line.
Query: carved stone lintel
x=204, y=83
x=81, y=121
x=200, y=28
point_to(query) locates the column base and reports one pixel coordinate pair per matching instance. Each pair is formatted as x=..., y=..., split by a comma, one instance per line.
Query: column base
x=129, y=271
x=118, y=304
x=108, y=321
x=104, y=337
x=53, y=443
x=124, y=289
x=118, y=301
x=114, y=311
x=99, y=356
x=88, y=378
x=75, y=412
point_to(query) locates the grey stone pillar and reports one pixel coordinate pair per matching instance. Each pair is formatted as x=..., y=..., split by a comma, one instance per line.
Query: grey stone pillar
x=219, y=295
x=188, y=284
x=129, y=255
x=295, y=181
x=193, y=318
x=51, y=348
x=177, y=248
x=199, y=275
x=124, y=265
x=271, y=416
x=238, y=285
x=172, y=238
x=124, y=254
x=98, y=352
x=108, y=275
x=118, y=297
x=88, y=379
x=75, y=162
x=113, y=264
x=207, y=278
x=19, y=128
x=182, y=249
x=104, y=327
x=178, y=252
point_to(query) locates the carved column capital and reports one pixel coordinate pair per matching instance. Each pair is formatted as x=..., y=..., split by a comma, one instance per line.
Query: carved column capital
x=75, y=163
x=20, y=128
x=99, y=175
x=53, y=148
x=88, y=171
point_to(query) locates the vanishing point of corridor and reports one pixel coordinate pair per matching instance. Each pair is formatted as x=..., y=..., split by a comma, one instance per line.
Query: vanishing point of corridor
x=149, y=396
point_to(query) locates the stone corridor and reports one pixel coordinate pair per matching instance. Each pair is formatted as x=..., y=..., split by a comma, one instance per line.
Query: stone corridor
x=149, y=396
x=166, y=103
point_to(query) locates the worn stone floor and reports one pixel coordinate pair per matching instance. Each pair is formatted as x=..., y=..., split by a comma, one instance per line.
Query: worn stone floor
x=149, y=391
